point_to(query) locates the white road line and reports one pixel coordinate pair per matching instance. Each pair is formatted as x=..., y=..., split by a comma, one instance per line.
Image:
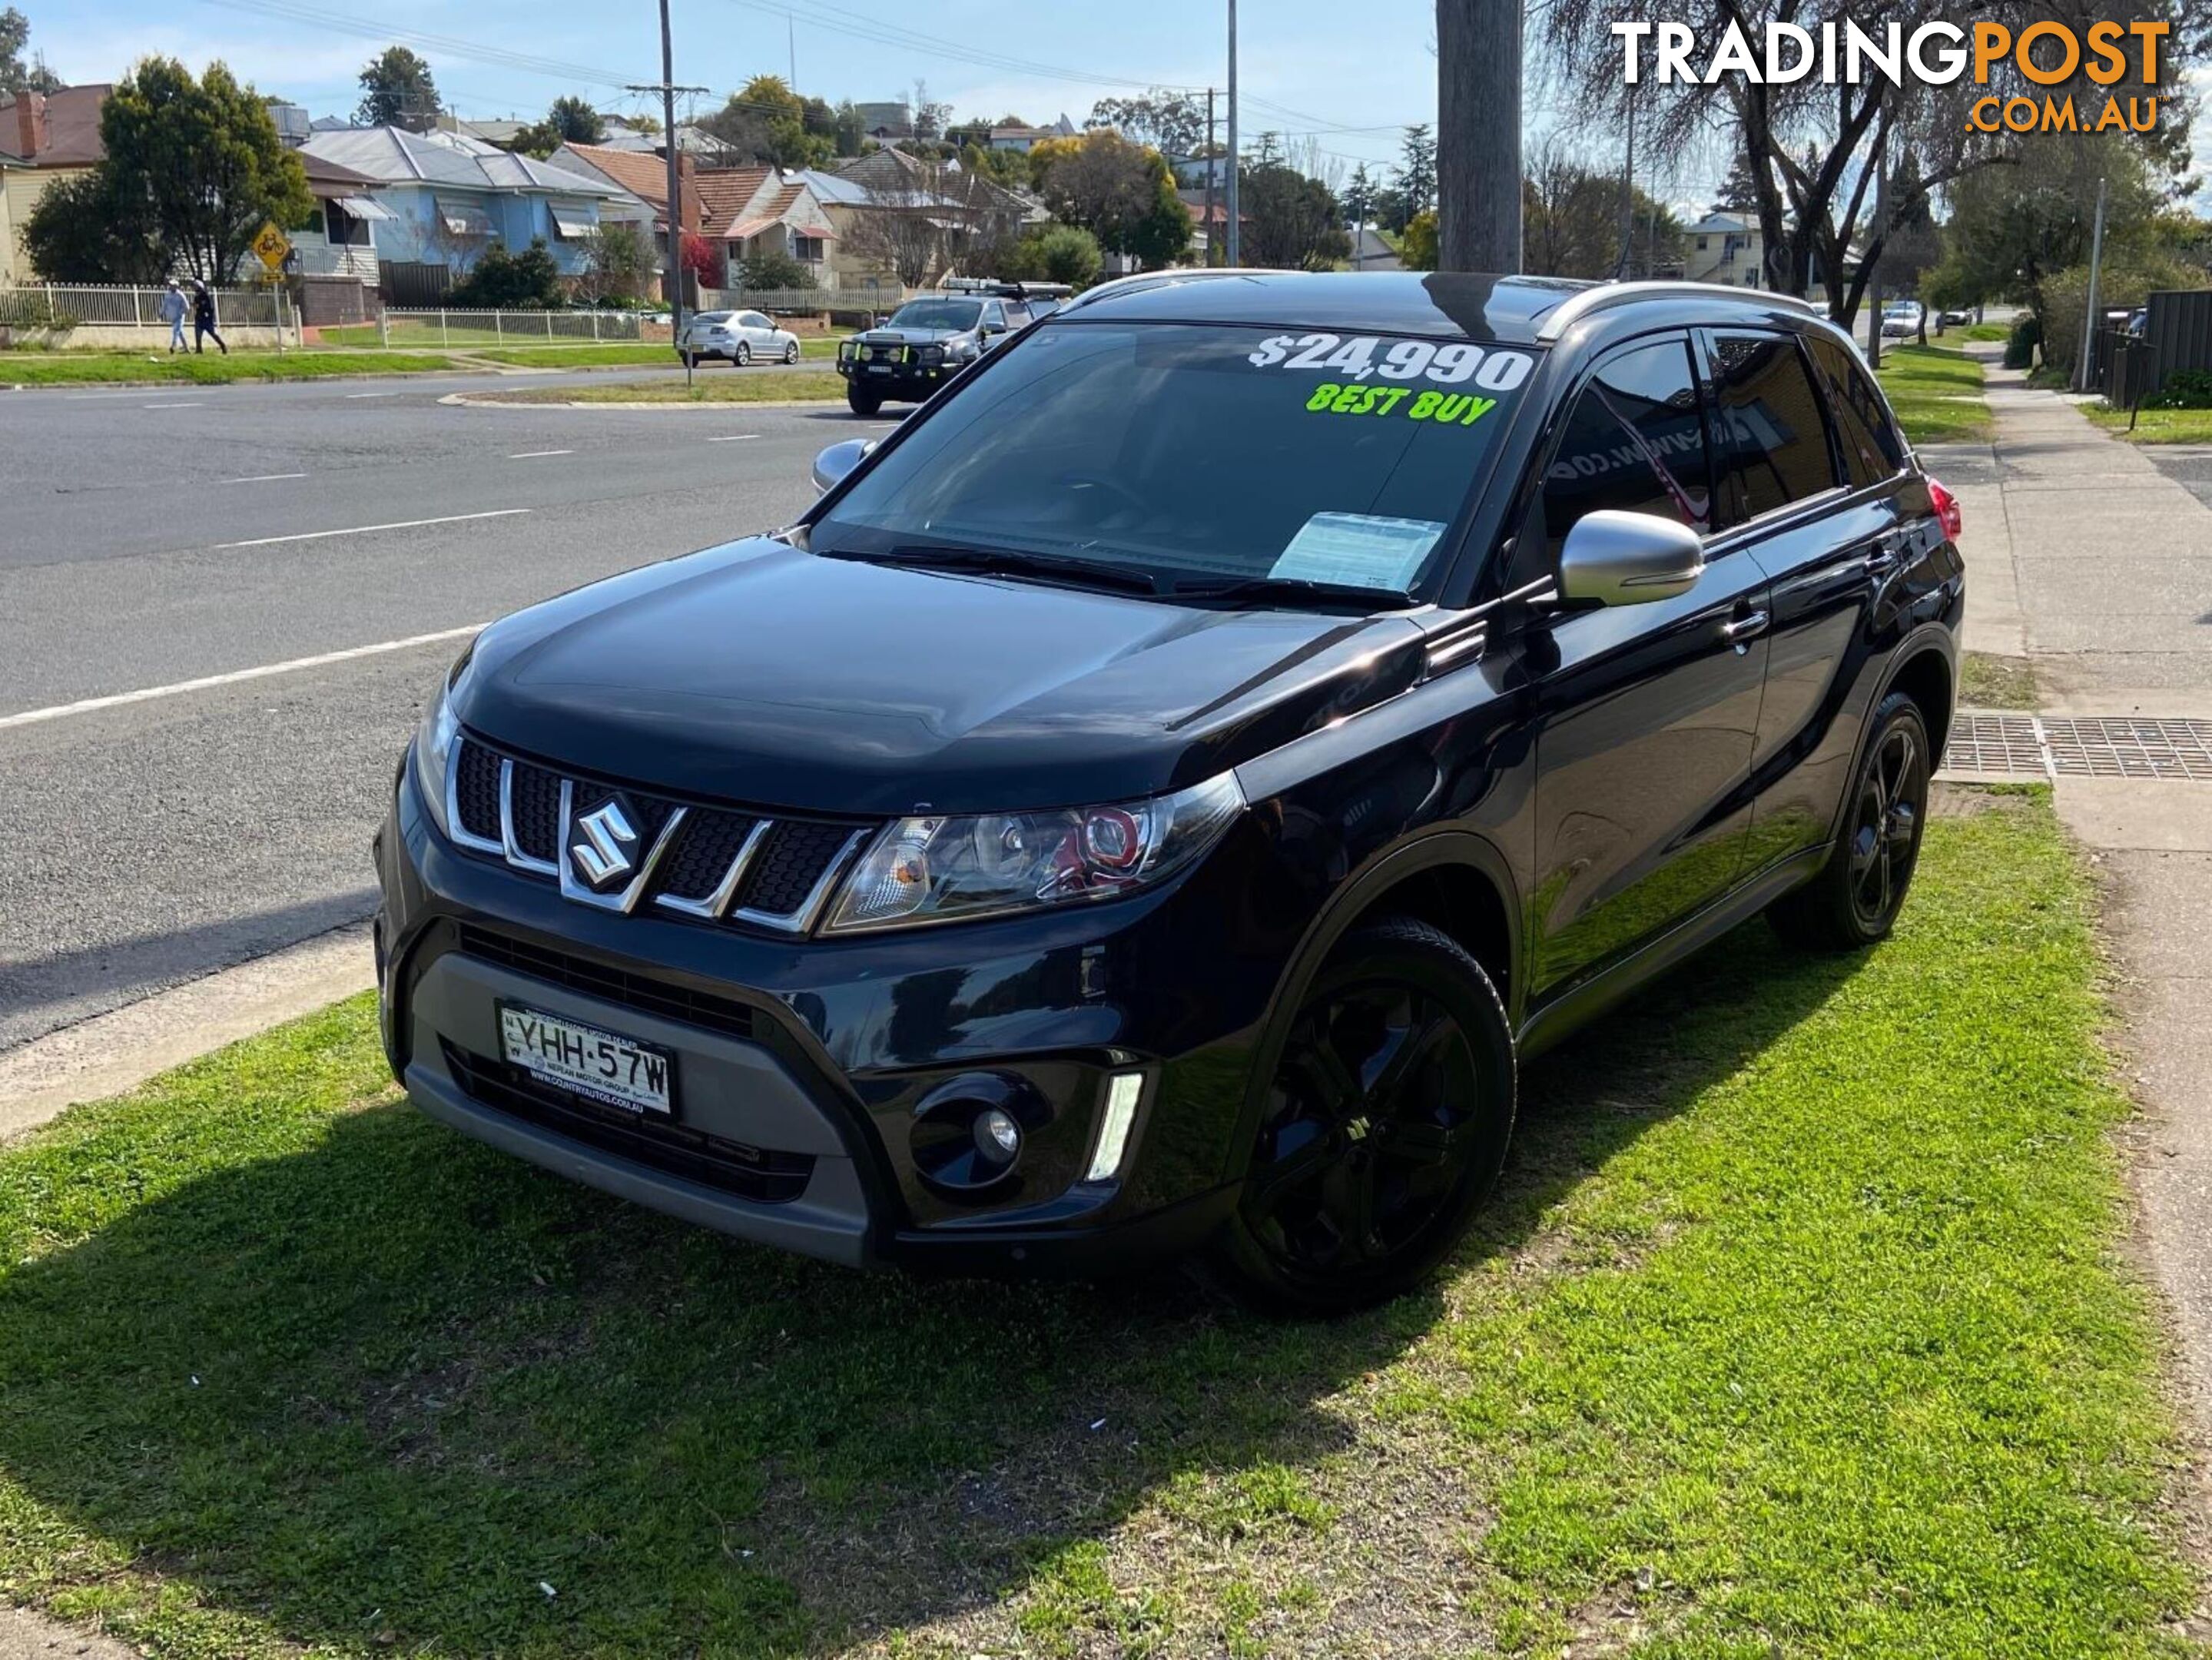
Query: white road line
x=30, y=717
x=173, y=406
x=363, y=530
x=263, y=477
x=733, y=437
x=372, y=394
x=532, y=455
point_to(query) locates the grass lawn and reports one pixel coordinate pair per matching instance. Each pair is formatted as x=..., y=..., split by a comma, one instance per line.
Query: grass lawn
x=2153, y=426
x=1990, y=681
x=712, y=384
x=1986, y=331
x=1936, y=392
x=1797, y=1328
x=69, y=369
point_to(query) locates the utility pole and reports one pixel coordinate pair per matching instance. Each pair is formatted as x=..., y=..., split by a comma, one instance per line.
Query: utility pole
x=791, y=41
x=1235, y=227
x=1620, y=269
x=667, y=88
x=1477, y=136
x=1212, y=170
x=2085, y=371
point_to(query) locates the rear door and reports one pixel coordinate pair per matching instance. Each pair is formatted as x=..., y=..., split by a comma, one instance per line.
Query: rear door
x=1807, y=489
x=1646, y=714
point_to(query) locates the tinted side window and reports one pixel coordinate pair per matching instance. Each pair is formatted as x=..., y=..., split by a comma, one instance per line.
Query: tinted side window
x=1772, y=439
x=1634, y=443
x=1872, y=450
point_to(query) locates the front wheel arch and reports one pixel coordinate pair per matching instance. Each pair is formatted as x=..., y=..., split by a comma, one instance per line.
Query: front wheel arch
x=1357, y=900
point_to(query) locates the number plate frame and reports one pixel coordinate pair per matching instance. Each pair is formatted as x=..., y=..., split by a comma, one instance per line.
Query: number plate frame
x=600, y=1049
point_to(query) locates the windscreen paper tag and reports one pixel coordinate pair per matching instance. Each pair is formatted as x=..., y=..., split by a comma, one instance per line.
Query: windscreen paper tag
x=1357, y=550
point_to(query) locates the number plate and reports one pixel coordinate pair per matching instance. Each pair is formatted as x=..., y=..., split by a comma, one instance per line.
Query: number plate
x=636, y=1077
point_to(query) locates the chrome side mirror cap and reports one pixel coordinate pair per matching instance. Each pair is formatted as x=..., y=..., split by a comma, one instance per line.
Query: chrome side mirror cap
x=1629, y=558
x=834, y=463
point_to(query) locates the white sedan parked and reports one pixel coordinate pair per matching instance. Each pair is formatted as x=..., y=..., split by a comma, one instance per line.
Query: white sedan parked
x=737, y=336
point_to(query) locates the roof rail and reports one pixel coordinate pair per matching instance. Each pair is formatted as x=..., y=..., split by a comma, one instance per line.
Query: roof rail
x=1136, y=282
x=1576, y=306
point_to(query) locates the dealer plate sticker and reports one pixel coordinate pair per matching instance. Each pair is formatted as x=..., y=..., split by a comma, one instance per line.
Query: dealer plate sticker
x=585, y=1061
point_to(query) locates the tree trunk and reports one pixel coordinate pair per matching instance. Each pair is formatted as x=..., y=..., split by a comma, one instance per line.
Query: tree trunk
x=1477, y=136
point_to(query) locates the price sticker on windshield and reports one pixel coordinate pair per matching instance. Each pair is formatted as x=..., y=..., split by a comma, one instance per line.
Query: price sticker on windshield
x=1360, y=356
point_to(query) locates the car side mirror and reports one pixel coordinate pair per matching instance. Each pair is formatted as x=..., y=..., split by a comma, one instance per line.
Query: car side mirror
x=834, y=463
x=1629, y=558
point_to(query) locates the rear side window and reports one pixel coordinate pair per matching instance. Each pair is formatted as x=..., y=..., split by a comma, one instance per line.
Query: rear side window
x=1635, y=443
x=1872, y=449
x=1772, y=444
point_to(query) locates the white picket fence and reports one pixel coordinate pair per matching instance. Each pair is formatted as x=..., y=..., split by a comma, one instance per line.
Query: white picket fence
x=104, y=304
x=457, y=327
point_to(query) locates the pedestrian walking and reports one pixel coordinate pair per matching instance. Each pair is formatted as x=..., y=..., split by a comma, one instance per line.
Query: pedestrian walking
x=204, y=321
x=172, y=313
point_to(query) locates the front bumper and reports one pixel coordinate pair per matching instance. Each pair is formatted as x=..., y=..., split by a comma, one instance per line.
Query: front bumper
x=802, y=1067
x=906, y=377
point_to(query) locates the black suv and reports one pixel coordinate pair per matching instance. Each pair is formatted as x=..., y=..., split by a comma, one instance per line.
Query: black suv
x=1153, y=798
x=927, y=341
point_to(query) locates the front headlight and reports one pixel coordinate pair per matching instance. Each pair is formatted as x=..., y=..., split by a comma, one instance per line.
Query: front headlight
x=433, y=745
x=946, y=869
x=959, y=351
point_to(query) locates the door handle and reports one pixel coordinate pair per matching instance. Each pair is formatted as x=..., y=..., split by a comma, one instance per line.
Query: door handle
x=1886, y=547
x=1739, y=631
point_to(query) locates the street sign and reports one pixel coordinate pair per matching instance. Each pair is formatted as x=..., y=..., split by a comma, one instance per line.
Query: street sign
x=272, y=245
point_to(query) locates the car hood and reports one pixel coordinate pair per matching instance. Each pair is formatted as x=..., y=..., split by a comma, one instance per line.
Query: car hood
x=761, y=673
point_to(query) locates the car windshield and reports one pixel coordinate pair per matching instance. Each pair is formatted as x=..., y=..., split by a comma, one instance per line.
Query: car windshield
x=937, y=315
x=1199, y=451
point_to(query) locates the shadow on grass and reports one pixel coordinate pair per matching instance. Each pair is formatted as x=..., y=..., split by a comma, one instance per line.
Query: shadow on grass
x=376, y=1389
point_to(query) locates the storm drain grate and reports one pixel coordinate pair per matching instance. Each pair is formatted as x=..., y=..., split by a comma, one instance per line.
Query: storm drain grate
x=1999, y=746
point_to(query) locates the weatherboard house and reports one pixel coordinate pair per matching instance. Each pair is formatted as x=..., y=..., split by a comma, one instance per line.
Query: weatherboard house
x=451, y=195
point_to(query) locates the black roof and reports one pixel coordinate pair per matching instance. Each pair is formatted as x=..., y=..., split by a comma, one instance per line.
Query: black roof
x=1462, y=305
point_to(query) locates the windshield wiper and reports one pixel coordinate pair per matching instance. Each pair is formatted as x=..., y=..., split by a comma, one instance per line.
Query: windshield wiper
x=1298, y=589
x=1008, y=562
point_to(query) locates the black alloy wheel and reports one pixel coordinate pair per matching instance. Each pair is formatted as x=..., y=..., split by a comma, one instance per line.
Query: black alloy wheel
x=1383, y=1127
x=1855, y=899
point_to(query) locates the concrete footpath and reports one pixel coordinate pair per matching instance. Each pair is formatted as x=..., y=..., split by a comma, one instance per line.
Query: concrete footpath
x=2085, y=556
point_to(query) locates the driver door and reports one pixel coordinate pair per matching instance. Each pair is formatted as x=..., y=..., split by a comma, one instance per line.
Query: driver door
x=1647, y=715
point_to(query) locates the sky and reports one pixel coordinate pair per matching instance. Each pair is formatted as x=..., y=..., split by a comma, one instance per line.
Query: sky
x=1315, y=77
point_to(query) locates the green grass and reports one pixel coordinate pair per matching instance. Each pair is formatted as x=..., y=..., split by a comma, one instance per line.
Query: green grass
x=1986, y=331
x=1990, y=681
x=2153, y=426
x=712, y=384
x=72, y=369
x=1936, y=392
x=1798, y=1327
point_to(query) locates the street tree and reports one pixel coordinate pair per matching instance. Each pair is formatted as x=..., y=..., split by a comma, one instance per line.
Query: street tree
x=1811, y=150
x=1570, y=220
x=569, y=120
x=198, y=164
x=1053, y=253
x=1416, y=181
x=1121, y=192
x=1291, y=222
x=617, y=263
x=18, y=73
x=397, y=91
x=1172, y=123
x=1358, y=197
x=929, y=115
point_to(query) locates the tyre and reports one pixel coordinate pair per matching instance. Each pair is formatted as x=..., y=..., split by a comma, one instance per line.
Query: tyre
x=689, y=359
x=1384, y=1125
x=744, y=356
x=862, y=403
x=791, y=352
x=1855, y=899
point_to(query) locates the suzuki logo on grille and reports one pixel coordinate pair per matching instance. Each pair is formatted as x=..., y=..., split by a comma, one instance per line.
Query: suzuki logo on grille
x=603, y=845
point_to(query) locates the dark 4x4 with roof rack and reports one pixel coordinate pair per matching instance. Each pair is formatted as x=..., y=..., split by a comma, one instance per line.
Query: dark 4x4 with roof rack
x=932, y=337
x=1156, y=796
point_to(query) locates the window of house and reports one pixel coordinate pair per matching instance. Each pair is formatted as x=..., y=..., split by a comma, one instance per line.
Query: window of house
x=1772, y=440
x=1635, y=443
x=1872, y=449
x=1702, y=242
x=806, y=247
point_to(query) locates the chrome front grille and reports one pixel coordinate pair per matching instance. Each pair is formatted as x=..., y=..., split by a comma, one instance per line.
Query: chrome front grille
x=711, y=864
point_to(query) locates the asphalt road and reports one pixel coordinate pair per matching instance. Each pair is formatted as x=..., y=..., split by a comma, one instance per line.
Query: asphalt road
x=148, y=538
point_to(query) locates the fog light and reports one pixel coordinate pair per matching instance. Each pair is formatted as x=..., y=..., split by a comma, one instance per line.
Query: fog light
x=998, y=1137
x=1121, y=1093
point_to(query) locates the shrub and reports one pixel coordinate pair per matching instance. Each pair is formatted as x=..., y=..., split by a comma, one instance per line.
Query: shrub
x=771, y=268
x=2122, y=286
x=2020, y=345
x=528, y=281
x=2185, y=389
x=1054, y=253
